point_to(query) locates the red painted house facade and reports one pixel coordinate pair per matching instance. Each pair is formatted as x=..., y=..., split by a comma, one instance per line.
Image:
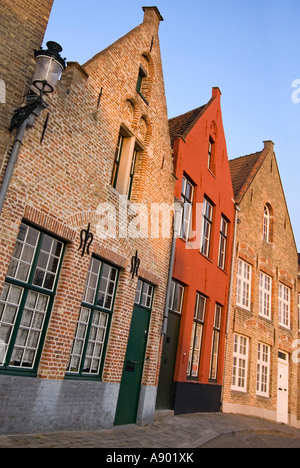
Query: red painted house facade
x=192, y=364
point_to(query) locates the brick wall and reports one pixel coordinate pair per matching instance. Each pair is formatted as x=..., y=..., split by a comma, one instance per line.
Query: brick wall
x=59, y=185
x=22, y=28
x=278, y=260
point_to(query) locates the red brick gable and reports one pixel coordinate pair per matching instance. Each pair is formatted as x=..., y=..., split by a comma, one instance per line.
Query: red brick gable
x=182, y=125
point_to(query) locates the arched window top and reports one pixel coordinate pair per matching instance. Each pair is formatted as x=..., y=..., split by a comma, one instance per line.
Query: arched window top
x=267, y=224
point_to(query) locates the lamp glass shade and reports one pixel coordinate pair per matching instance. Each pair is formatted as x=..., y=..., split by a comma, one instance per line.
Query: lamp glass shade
x=47, y=73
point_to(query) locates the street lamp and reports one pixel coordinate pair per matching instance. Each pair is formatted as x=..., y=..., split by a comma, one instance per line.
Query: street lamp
x=49, y=67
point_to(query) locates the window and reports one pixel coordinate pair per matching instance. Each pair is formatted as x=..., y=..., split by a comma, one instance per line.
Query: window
x=265, y=294
x=27, y=297
x=263, y=370
x=266, y=229
x=125, y=163
x=131, y=175
x=144, y=294
x=244, y=284
x=86, y=357
x=223, y=243
x=240, y=363
x=211, y=154
x=117, y=162
x=215, y=343
x=141, y=77
x=196, y=339
x=187, y=194
x=206, y=228
x=284, y=305
x=176, y=297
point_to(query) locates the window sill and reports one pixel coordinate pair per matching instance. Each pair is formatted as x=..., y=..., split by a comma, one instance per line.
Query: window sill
x=207, y=258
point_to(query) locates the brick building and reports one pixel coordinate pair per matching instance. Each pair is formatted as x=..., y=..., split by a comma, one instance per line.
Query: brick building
x=192, y=365
x=83, y=281
x=261, y=375
x=22, y=30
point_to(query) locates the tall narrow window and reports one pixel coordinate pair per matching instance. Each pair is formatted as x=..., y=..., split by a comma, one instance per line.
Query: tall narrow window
x=27, y=298
x=115, y=172
x=223, y=243
x=211, y=154
x=187, y=194
x=266, y=229
x=131, y=176
x=216, y=343
x=140, y=82
x=93, y=325
x=240, y=363
x=176, y=297
x=244, y=284
x=265, y=294
x=263, y=370
x=196, y=339
x=125, y=162
x=284, y=306
x=206, y=227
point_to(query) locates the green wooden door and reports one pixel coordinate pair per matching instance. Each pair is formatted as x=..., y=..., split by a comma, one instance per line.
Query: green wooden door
x=133, y=367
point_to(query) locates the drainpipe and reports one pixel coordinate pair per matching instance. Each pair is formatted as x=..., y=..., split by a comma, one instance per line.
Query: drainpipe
x=177, y=218
x=16, y=150
x=237, y=211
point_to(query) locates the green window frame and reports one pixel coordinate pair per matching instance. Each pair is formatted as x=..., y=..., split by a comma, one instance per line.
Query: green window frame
x=27, y=298
x=90, y=341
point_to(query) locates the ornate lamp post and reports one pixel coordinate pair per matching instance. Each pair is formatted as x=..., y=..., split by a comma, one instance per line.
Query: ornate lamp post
x=49, y=67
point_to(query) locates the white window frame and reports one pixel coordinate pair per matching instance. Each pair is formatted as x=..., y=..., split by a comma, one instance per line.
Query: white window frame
x=187, y=203
x=240, y=363
x=207, y=219
x=223, y=243
x=263, y=370
x=214, y=362
x=265, y=295
x=243, y=292
x=284, y=306
x=266, y=228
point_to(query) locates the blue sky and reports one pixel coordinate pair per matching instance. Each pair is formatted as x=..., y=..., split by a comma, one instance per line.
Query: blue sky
x=249, y=49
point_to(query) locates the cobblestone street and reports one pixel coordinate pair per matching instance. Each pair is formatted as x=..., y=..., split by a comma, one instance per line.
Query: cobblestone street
x=171, y=432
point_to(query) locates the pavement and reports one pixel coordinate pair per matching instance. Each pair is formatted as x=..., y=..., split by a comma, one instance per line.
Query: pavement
x=170, y=432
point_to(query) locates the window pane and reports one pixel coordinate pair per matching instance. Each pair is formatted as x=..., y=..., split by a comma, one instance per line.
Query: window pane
x=9, y=307
x=30, y=329
x=48, y=263
x=24, y=251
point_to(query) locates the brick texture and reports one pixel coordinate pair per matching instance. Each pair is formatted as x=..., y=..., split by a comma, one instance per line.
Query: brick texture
x=278, y=259
x=59, y=185
x=22, y=28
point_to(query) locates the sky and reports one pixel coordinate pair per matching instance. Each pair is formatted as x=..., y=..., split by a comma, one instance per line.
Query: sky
x=249, y=49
